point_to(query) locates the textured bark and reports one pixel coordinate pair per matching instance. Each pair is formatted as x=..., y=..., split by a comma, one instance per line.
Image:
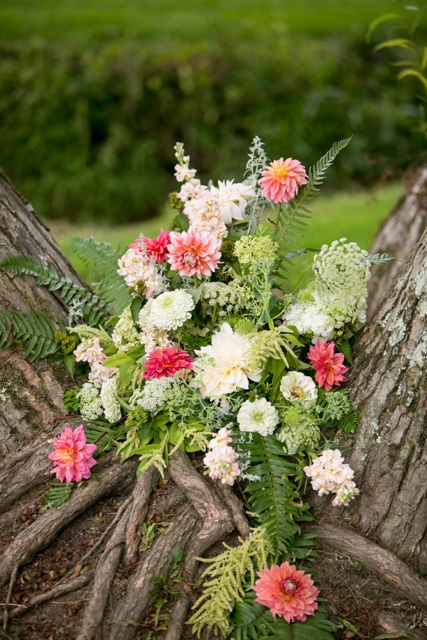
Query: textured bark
x=30, y=394
x=389, y=388
x=398, y=235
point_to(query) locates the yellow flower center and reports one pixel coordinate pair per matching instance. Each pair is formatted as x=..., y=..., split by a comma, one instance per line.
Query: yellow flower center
x=280, y=172
x=298, y=391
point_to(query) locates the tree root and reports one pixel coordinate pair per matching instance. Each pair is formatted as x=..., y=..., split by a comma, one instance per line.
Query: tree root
x=394, y=625
x=44, y=530
x=32, y=473
x=154, y=563
x=400, y=577
x=141, y=496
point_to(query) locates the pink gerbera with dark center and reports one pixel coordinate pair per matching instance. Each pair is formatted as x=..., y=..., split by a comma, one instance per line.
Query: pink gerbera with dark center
x=193, y=253
x=287, y=592
x=165, y=363
x=327, y=364
x=156, y=248
x=72, y=458
x=281, y=181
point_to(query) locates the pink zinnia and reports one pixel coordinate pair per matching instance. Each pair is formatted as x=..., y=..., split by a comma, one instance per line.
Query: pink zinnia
x=327, y=364
x=281, y=180
x=72, y=457
x=193, y=253
x=165, y=363
x=157, y=248
x=286, y=592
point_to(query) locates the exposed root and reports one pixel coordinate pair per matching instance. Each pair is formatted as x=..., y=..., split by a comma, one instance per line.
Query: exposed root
x=104, y=576
x=400, y=577
x=154, y=563
x=57, y=591
x=44, y=530
x=33, y=472
x=236, y=509
x=141, y=496
x=9, y=596
x=393, y=625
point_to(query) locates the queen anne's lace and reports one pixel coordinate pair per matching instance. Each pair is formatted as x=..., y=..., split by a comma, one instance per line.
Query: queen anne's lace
x=110, y=403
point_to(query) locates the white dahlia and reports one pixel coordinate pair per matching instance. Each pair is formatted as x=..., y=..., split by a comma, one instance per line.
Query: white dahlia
x=224, y=366
x=259, y=416
x=232, y=199
x=297, y=386
x=171, y=309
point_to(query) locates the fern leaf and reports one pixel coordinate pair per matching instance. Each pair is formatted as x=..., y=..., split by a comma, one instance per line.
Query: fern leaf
x=103, y=259
x=380, y=258
x=291, y=225
x=56, y=495
x=46, y=276
x=348, y=423
x=34, y=328
x=274, y=498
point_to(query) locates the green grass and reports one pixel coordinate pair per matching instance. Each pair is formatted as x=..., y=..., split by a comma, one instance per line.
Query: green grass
x=189, y=22
x=355, y=216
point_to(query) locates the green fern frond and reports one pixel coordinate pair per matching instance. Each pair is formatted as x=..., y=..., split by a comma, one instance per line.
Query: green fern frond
x=34, y=328
x=291, y=223
x=224, y=581
x=380, y=258
x=46, y=276
x=349, y=422
x=250, y=621
x=274, y=497
x=58, y=493
x=103, y=259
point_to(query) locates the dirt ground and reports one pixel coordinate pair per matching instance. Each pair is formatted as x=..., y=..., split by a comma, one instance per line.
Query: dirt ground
x=354, y=596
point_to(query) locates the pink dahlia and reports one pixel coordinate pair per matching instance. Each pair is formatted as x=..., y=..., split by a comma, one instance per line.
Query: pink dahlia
x=157, y=248
x=164, y=363
x=282, y=179
x=286, y=592
x=193, y=253
x=327, y=364
x=72, y=458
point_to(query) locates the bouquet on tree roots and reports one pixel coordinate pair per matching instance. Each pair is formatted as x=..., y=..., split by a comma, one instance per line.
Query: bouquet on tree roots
x=193, y=341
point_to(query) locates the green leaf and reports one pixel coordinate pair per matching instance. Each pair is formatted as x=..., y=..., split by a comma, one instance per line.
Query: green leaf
x=118, y=360
x=376, y=23
x=345, y=347
x=402, y=43
x=135, y=308
x=34, y=328
x=412, y=72
x=380, y=258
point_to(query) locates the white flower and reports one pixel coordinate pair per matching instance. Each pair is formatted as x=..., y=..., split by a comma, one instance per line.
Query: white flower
x=125, y=336
x=309, y=319
x=259, y=416
x=91, y=404
x=151, y=397
x=224, y=366
x=190, y=190
x=204, y=214
x=110, y=403
x=184, y=172
x=171, y=309
x=99, y=373
x=297, y=386
x=232, y=199
x=135, y=266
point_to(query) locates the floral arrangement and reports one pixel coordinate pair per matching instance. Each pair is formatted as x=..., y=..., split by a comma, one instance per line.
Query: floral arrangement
x=208, y=349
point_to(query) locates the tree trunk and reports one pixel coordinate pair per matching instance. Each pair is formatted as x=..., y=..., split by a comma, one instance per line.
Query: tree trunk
x=84, y=569
x=398, y=235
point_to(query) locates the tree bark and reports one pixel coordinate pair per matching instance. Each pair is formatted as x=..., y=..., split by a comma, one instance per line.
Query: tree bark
x=398, y=235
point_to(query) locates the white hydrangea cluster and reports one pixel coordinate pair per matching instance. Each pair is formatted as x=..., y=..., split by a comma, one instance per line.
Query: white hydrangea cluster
x=171, y=309
x=91, y=404
x=337, y=297
x=110, y=403
x=260, y=416
x=151, y=397
x=125, y=335
x=221, y=296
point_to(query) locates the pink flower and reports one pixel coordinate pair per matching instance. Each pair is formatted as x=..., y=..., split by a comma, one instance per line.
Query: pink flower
x=286, y=592
x=156, y=249
x=165, y=363
x=327, y=364
x=72, y=458
x=282, y=179
x=193, y=253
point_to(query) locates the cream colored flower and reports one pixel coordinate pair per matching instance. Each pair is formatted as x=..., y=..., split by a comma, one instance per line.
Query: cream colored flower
x=297, y=386
x=224, y=366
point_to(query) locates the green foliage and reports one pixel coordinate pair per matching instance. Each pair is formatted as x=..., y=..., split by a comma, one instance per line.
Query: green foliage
x=290, y=221
x=100, y=433
x=380, y=258
x=93, y=308
x=34, y=328
x=103, y=260
x=275, y=496
x=252, y=621
x=348, y=423
x=224, y=581
x=56, y=495
x=71, y=401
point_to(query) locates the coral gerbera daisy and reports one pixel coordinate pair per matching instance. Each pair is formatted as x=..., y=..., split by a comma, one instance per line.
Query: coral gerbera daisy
x=327, y=364
x=165, y=363
x=286, y=592
x=193, y=253
x=282, y=179
x=72, y=457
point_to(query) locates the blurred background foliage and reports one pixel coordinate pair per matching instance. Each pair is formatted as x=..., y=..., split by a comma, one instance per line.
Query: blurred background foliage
x=94, y=94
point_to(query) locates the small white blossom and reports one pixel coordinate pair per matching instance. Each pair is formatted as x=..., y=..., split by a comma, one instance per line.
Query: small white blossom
x=91, y=403
x=151, y=397
x=110, y=403
x=259, y=416
x=171, y=309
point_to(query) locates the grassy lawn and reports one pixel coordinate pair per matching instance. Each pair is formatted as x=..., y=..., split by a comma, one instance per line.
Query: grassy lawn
x=355, y=216
x=192, y=23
